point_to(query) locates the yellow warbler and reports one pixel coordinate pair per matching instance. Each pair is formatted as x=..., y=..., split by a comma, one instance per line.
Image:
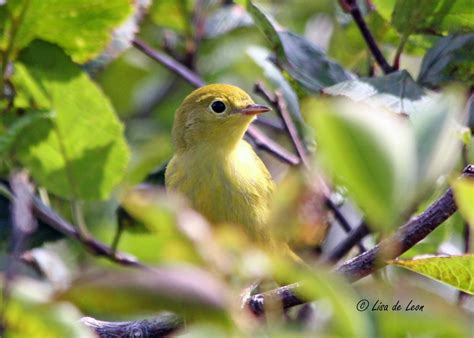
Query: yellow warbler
x=214, y=167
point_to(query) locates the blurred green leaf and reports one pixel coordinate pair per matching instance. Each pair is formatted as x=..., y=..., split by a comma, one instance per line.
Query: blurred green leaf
x=82, y=28
x=450, y=59
x=30, y=313
x=304, y=61
x=172, y=14
x=397, y=92
x=225, y=19
x=81, y=151
x=464, y=195
x=457, y=271
x=437, y=126
x=433, y=16
x=378, y=168
x=184, y=290
x=335, y=293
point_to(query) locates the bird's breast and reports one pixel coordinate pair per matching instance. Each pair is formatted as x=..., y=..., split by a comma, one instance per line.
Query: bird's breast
x=232, y=187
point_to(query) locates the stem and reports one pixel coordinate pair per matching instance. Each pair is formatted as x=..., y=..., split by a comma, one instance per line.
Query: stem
x=352, y=7
x=354, y=237
x=170, y=63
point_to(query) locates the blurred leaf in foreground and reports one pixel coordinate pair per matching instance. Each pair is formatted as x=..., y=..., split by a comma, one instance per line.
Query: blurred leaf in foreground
x=457, y=271
x=30, y=313
x=464, y=195
x=377, y=167
x=184, y=290
x=81, y=151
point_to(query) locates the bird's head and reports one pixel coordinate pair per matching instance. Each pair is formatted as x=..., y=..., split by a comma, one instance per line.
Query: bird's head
x=216, y=114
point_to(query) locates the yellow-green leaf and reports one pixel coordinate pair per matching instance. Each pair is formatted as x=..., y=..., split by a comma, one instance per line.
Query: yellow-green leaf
x=457, y=271
x=464, y=195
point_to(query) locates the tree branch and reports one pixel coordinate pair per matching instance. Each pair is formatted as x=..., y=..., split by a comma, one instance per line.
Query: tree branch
x=160, y=326
x=352, y=7
x=354, y=237
x=170, y=63
x=366, y=263
x=97, y=248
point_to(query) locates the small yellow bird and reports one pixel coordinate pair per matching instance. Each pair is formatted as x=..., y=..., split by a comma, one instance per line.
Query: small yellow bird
x=214, y=167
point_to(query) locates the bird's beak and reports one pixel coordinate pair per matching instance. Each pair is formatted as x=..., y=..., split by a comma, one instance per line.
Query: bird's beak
x=254, y=109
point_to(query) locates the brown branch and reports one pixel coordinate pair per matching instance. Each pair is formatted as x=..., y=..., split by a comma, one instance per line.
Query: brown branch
x=170, y=63
x=366, y=263
x=352, y=7
x=265, y=143
x=160, y=326
x=97, y=248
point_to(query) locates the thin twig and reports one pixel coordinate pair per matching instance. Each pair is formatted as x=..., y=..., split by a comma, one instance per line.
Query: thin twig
x=352, y=7
x=265, y=143
x=48, y=216
x=354, y=237
x=368, y=262
x=170, y=63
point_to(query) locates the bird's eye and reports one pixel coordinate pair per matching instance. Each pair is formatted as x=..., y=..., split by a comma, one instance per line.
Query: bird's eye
x=218, y=107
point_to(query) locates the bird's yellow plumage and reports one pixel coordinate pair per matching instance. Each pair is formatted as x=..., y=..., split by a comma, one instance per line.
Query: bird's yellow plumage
x=214, y=167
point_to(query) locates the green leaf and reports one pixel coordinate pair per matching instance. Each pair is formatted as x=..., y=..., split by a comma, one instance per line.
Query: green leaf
x=433, y=16
x=436, y=126
x=82, y=28
x=450, y=59
x=30, y=313
x=185, y=290
x=304, y=61
x=457, y=271
x=378, y=168
x=464, y=195
x=80, y=152
x=8, y=138
x=226, y=19
x=397, y=92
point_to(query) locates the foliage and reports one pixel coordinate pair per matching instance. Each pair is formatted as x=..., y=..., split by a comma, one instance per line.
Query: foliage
x=88, y=116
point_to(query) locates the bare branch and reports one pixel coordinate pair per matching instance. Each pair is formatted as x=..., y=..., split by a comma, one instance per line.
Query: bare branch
x=160, y=326
x=48, y=216
x=352, y=7
x=170, y=63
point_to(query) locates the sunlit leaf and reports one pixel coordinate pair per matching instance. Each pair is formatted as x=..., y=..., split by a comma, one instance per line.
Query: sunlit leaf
x=433, y=16
x=80, y=152
x=377, y=167
x=304, y=61
x=397, y=92
x=457, y=271
x=450, y=59
x=82, y=28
